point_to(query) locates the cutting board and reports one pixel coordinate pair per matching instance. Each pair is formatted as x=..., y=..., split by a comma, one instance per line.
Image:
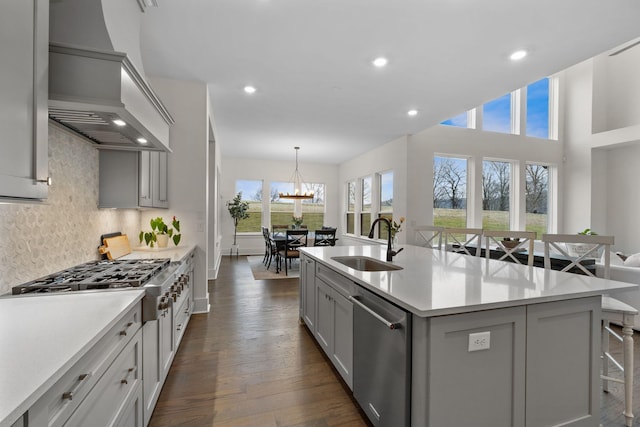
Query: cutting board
x=115, y=247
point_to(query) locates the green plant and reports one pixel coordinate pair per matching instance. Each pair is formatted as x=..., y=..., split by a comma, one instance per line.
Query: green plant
x=158, y=226
x=588, y=232
x=238, y=211
x=396, y=227
x=297, y=220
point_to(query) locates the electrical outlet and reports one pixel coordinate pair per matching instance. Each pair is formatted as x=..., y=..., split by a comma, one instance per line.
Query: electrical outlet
x=479, y=341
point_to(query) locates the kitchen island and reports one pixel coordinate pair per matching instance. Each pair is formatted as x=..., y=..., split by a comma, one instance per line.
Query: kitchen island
x=487, y=342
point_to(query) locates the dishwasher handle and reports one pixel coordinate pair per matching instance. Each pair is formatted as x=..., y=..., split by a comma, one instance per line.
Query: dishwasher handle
x=390, y=325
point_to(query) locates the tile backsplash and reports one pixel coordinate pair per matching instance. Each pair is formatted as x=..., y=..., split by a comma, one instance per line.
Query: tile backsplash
x=39, y=239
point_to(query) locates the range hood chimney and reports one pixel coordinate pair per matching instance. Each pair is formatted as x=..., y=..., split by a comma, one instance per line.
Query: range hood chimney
x=97, y=86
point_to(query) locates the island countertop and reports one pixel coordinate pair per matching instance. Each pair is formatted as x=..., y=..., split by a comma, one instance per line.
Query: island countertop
x=436, y=282
x=41, y=337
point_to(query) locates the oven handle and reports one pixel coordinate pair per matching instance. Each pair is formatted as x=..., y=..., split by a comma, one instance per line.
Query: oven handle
x=388, y=324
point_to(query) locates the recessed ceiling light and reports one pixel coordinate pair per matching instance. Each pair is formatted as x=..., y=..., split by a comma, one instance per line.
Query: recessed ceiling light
x=518, y=55
x=142, y=140
x=412, y=112
x=250, y=89
x=380, y=62
x=119, y=122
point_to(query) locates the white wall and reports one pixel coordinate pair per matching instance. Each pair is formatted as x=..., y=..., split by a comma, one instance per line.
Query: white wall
x=215, y=202
x=390, y=156
x=188, y=103
x=233, y=169
x=602, y=140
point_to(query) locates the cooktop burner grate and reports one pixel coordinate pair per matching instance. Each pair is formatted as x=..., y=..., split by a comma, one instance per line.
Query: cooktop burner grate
x=103, y=274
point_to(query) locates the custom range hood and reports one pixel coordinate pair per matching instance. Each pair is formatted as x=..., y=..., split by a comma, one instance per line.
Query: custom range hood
x=97, y=86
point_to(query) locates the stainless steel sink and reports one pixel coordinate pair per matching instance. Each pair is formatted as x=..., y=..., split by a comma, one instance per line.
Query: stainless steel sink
x=364, y=263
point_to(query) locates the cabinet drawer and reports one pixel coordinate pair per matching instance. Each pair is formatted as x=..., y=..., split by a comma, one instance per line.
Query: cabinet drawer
x=181, y=315
x=337, y=281
x=122, y=382
x=59, y=402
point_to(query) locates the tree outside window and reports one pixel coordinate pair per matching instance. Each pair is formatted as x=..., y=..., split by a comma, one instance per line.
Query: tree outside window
x=496, y=191
x=537, y=200
x=365, y=214
x=450, y=192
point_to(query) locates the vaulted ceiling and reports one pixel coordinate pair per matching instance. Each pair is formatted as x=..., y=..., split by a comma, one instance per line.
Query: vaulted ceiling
x=311, y=62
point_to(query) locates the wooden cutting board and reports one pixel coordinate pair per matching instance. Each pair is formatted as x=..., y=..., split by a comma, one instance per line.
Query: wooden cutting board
x=115, y=247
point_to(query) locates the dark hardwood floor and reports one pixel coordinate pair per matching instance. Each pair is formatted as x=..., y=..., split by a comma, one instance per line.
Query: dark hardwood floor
x=249, y=362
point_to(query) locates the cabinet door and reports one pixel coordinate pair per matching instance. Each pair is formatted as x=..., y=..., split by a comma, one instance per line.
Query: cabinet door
x=152, y=369
x=145, y=179
x=159, y=173
x=324, y=315
x=342, y=337
x=24, y=34
x=307, y=292
x=166, y=341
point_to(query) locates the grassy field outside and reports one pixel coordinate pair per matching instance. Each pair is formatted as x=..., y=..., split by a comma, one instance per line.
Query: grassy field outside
x=282, y=213
x=491, y=220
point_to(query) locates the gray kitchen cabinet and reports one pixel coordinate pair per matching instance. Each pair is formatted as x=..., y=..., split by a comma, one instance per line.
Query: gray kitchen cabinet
x=536, y=370
x=334, y=319
x=308, y=291
x=104, y=387
x=132, y=179
x=24, y=43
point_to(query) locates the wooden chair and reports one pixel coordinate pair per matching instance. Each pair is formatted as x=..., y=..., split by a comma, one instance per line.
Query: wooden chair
x=430, y=234
x=278, y=229
x=295, y=239
x=520, y=238
x=325, y=237
x=613, y=310
x=267, y=244
x=456, y=245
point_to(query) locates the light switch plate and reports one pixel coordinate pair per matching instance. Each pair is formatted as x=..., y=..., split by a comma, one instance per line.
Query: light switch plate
x=479, y=341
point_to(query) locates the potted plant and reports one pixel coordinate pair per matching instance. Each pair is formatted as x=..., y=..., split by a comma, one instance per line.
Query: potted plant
x=580, y=249
x=297, y=221
x=161, y=232
x=238, y=210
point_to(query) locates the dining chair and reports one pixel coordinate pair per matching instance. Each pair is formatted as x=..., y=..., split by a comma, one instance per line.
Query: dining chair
x=461, y=239
x=325, y=237
x=267, y=244
x=613, y=310
x=429, y=236
x=294, y=240
x=510, y=242
x=278, y=229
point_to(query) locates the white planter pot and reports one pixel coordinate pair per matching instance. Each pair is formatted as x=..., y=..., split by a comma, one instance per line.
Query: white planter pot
x=162, y=240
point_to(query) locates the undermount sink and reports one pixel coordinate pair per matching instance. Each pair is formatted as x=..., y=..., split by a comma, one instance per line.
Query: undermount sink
x=364, y=263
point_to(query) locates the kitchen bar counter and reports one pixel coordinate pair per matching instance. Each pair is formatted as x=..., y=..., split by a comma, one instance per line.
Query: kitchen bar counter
x=434, y=282
x=41, y=337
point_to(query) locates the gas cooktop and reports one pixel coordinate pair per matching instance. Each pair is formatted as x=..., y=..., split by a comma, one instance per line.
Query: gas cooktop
x=103, y=274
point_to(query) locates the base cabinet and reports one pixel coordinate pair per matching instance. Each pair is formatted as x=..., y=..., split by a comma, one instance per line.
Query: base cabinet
x=308, y=291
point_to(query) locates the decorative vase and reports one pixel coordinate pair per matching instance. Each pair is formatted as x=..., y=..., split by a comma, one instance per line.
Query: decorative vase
x=394, y=242
x=163, y=240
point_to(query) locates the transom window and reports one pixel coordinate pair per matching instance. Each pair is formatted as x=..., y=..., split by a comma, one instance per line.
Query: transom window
x=496, y=115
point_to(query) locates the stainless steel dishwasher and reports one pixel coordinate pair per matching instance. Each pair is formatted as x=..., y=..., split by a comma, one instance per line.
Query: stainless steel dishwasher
x=381, y=359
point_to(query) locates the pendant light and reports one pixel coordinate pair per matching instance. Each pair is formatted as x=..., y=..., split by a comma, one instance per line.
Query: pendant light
x=297, y=185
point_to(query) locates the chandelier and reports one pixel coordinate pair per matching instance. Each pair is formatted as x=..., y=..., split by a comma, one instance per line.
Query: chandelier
x=297, y=185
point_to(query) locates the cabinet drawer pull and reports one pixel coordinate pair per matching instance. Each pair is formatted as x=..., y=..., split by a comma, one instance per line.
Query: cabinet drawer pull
x=68, y=395
x=124, y=331
x=129, y=371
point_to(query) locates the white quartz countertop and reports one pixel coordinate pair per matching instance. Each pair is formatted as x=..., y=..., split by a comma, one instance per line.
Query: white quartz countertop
x=435, y=282
x=176, y=253
x=41, y=337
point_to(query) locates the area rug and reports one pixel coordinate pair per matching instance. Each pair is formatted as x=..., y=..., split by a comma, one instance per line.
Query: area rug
x=260, y=271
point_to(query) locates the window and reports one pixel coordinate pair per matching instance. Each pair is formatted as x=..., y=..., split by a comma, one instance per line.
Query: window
x=252, y=193
x=386, y=201
x=313, y=209
x=458, y=121
x=538, y=109
x=365, y=213
x=351, y=207
x=496, y=188
x=537, y=191
x=496, y=115
x=449, y=192
x=281, y=209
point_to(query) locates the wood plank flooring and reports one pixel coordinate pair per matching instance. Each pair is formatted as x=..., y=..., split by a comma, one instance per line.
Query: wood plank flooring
x=249, y=362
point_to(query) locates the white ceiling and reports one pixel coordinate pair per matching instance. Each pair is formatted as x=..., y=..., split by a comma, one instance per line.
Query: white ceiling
x=310, y=61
